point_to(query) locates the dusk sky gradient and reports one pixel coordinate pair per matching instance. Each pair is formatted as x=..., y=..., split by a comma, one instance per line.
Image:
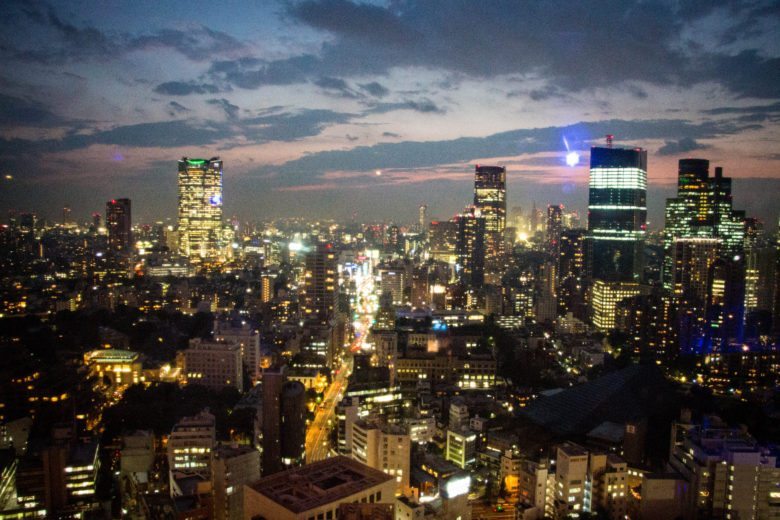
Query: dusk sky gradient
x=305, y=100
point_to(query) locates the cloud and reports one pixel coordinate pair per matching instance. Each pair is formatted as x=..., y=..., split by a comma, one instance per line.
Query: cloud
x=15, y=111
x=422, y=105
x=375, y=89
x=231, y=110
x=684, y=145
x=48, y=38
x=411, y=154
x=774, y=108
x=185, y=88
x=337, y=87
x=176, y=108
x=391, y=134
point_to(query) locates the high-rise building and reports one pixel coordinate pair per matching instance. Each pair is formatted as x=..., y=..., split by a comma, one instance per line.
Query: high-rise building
x=605, y=297
x=233, y=467
x=490, y=196
x=200, y=208
x=320, y=285
x=702, y=209
x=284, y=422
x=617, y=213
x=422, y=217
x=118, y=222
x=704, y=261
x=443, y=239
x=553, y=230
x=490, y=202
x=470, y=247
x=571, y=270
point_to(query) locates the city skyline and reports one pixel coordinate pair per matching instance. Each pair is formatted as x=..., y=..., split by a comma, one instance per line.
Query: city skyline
x=306, y=102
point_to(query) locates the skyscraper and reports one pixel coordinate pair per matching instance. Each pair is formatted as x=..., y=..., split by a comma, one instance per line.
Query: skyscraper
x=200, y=207
x=320, y=286
x=470, y=248
x=490, y=196
x=553, y=230
x=704, y=261
x=617, y=213
x=118, y=221
x=490, y=202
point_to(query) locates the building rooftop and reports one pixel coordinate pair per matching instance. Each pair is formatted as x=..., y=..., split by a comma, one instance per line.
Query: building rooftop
x=330, y=480
x=111, y=355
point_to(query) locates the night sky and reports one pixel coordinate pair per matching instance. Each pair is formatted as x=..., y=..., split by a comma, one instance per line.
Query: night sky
x=305, y=101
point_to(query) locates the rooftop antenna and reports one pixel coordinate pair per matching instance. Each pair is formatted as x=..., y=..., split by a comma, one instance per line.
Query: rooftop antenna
x=610, y=137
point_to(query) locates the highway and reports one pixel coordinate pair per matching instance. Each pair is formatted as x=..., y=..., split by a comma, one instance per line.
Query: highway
x=318, y=433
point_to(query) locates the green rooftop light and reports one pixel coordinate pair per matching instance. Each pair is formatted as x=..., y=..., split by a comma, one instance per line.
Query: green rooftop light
x=196, y=162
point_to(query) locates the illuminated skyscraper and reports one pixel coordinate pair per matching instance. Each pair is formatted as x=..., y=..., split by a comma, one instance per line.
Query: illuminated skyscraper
x=320, y=286
x=118, y=222
x=553, y=230
x=617, y=213
x=200, y=207
x=470, y=248
x=490, y=202
x=490, y=196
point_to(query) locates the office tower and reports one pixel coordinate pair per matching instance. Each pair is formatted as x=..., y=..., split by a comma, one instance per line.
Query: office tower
x=759, y=279
x=604, y=299
x=470, y=248
x=571, y=270
x=692, y=259
x=553, y=231
x=702, y=209
x=422, y=218
x=490, y=196
x=725, y=305
x=213, y=364
x=490, y=202
x=319, y=286
x=443, y=236
x=703, y=230
x=459, y=415
x=267, y=280
x=119, y=224
x=284, y=422
x=617, y=213
x=66, y=215
x=200, y=208
x=191, y=445
x=316, y=490
x=547, y=301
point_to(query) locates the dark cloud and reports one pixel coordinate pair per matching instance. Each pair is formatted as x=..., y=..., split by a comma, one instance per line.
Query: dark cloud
x=185, y=88
x=292, y=126
x=16, y=111
x=231, y=110
x=337, y=87
x=251, y=73
x=774, y=108
x=423, y=105
x=177, y=108
x=375, y=89
x=684, y=145
x=352, y=138
x=568, y=44
x=391, y=134
x=48, y=38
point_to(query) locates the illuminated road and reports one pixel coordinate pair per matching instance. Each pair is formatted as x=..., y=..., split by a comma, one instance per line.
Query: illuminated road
x=318, y=433
x=317, y=439
x=485, y=512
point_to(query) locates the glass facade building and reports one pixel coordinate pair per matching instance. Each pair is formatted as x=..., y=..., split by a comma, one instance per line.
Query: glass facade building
x=617, y=214
x=200, y=208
